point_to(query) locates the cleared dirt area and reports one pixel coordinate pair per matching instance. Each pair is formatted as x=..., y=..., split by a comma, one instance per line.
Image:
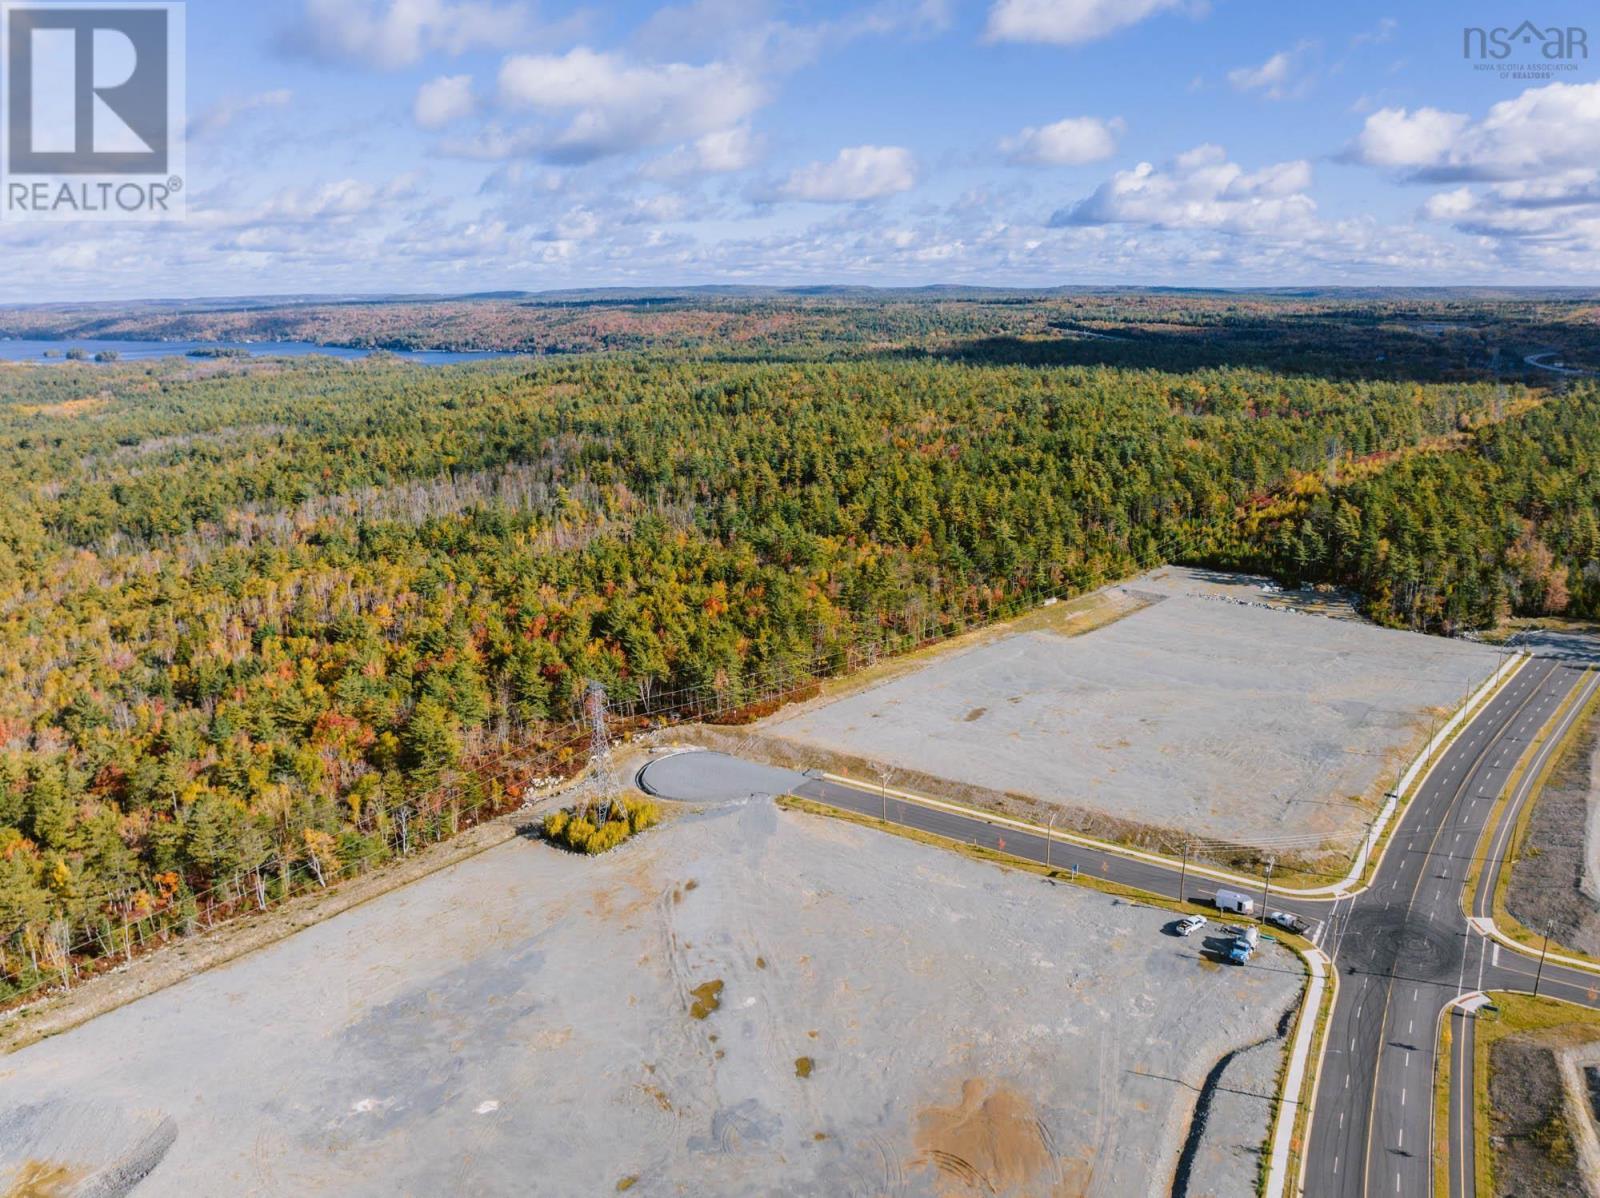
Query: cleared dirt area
x=1555, y=880
x=1213, y=704
x=745, y=1000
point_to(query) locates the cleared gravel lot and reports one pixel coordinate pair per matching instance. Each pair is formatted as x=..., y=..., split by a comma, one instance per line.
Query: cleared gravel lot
x=1204, y=710
x=744, y=1001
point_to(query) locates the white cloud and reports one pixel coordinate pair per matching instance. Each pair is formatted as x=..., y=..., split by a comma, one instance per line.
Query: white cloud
x=342, y=199
x=656, y=209
x=514, y=177
x=858, y=173
x=1068, y=22
x=444, y=100
x=618, y=107
x=1558, y=211
x=390, y=34
x=1270, y=75
x=1545, y=129
x=222, y=114
x=1201, y=189
x=1394, y=137
x=1284, y=75
x=1379, y=33
x=1069, y=142
x=717, y=153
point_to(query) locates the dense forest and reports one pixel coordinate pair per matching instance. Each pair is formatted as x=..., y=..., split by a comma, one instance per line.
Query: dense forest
x=1437, y=335
x=263, y=622
x=1503, y=520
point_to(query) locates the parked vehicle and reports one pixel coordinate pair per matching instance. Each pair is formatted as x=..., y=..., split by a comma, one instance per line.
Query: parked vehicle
x=1289, y=922
x=1189, y=924
x=1244, y=945
x=1233, y=900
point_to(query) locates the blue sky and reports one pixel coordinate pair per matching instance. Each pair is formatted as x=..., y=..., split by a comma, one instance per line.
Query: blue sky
x=452, y=145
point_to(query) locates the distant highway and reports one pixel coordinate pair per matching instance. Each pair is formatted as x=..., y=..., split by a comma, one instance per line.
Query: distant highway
x=1403, y=947
x=1534, y=361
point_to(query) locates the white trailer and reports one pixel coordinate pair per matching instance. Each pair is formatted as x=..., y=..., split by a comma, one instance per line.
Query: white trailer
x=1233, y=900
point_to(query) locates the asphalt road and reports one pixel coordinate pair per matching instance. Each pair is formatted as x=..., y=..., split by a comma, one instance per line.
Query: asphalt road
x=1403, y=947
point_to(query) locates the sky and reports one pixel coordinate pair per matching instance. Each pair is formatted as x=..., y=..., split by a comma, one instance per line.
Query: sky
x=449, y=146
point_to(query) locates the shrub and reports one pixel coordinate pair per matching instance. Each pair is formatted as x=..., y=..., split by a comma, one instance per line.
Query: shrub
x=643, y=814
x=573, y=829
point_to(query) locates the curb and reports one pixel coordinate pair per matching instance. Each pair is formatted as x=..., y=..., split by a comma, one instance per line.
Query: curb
x=1320, y=966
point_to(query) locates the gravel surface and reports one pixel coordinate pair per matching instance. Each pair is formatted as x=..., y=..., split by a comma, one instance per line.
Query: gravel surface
x=743, y=1001
x=1215, y=708
x=1240, y=1097
x=1554, y=878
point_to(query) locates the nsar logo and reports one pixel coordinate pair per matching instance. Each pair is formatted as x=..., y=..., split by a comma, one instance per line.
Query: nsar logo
x=1552, y=42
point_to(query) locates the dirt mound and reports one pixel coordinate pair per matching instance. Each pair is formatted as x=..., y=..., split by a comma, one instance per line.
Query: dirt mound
x=80, y=1149
x=993, y=1142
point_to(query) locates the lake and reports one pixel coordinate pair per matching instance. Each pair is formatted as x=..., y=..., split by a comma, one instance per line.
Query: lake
x=134, y=351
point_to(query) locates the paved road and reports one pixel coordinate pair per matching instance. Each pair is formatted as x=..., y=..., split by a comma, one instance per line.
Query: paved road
x=1534, y=360
x=1403, y=947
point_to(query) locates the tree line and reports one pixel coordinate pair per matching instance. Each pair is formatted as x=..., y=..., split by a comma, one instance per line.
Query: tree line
x=250, y=611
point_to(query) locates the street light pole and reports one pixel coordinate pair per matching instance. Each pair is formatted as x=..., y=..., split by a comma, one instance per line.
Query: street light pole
x=1266, y=882
x=1049, y=832
x=1540, y=974
x=1183, y=874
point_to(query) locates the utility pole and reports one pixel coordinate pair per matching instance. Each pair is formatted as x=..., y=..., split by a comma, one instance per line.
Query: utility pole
x=1183, y=874
x=1049, y=833
x=1540, y=974
x=602, y=771
x=1266, y=882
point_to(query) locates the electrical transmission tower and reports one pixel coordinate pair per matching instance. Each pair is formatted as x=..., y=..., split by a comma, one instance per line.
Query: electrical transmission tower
x=603, y=786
